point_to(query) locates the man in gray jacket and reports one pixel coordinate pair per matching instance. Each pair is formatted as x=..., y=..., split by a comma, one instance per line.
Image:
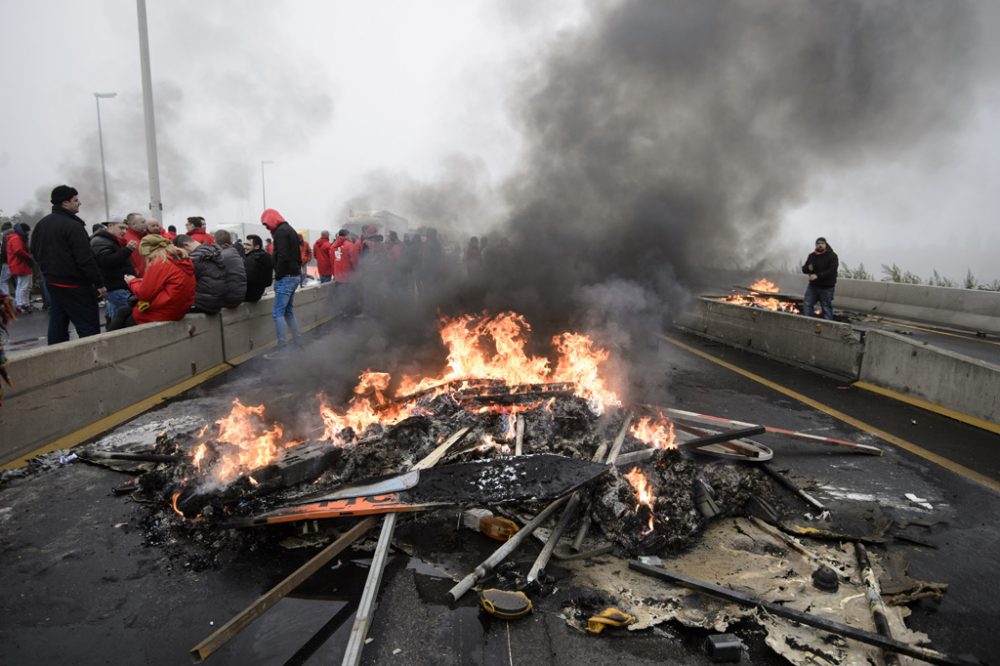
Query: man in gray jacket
x=209, y=273
x=236, y=271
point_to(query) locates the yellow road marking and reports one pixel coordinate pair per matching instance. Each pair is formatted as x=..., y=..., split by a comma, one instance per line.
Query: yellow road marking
x=122, y=415
x=117, y=418
x=931, y=407
x=962, y=470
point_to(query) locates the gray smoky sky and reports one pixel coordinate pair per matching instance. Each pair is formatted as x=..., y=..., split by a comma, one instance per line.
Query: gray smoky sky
x=636, y=142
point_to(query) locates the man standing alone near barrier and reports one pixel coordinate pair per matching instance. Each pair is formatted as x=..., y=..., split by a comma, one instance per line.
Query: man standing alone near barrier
x=821, y=266
x=61, y=247
x=287, y=266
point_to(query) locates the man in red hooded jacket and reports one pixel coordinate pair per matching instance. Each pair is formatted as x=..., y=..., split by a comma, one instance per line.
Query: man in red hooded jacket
x=321, y=250
x=287, y=266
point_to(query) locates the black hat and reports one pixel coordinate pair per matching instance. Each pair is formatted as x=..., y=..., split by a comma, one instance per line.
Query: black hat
x=820, y=239
x=62, y=194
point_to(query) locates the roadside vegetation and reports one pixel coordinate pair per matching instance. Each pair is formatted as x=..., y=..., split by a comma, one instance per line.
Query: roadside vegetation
x=893, y=273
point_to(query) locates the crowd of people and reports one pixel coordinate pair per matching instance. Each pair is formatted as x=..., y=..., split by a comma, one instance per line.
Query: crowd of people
x=143, y=273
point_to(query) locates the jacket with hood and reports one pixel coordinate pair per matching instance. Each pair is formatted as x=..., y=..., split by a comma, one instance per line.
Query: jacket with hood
x=236, y=276
x=287, y=259
x=166, y=292
x=18, y=257
x=321, y=250
x=825, y=266
x=210, y=274
x=259, y=269
x=61, y=247
x=113, y=258
x=342, y=258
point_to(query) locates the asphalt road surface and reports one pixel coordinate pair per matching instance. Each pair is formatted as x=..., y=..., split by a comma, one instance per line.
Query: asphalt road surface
x=80, y=584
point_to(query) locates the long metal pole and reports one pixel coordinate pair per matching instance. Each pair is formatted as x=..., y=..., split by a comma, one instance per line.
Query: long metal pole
x=104, y=173
x=366, y=606
x=155, y=204
x=263, y=187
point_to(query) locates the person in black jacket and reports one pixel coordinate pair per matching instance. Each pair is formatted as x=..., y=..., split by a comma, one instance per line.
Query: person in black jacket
x=61, y=247
x=259, y=268
x=209, y=273
x=236, y=272
x=114, y=258
x=287, y=266
x=821, y=266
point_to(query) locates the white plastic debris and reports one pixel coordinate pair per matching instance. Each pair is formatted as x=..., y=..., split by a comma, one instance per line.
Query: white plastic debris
x=919, y=501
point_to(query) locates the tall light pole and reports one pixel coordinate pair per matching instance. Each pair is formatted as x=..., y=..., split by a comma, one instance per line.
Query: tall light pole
x=100, y=138
x=155, y=205
x=263, y=187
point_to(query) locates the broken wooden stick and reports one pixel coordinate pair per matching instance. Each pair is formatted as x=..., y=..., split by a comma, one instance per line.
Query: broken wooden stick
x=242, y=620
x=574, y=502
x=518, y=434
x=503, y=551
x=581, y=533
x=925, y=654
x=874, y=595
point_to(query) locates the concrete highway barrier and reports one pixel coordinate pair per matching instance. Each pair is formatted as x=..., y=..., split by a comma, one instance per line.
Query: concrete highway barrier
x=936, y=376
x=829, y=346
x=962, y=308
x=71, y=391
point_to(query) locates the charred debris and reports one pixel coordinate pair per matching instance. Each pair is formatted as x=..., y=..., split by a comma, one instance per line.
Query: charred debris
x=519, y=450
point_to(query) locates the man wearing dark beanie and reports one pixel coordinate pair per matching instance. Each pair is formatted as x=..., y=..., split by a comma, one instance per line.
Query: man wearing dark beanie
x=61, y=247
x=821, y=266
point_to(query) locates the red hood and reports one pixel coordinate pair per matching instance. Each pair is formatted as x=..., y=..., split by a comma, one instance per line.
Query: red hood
x=184, y=264
x=271, y=218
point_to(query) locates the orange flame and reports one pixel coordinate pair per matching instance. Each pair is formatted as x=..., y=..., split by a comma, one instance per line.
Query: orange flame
x=658, y=432
x=762, y=286
x=765, y=286
x=479, y=348
x=643, y=493
x=173, y=503
x=245, y=441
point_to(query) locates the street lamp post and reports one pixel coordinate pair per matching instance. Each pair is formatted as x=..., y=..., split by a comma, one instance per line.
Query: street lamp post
x=263, y=186
x=100, y=139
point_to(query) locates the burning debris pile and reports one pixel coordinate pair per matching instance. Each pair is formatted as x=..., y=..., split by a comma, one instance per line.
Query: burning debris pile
x=498, y=431
x=763, y=294
x=508, y=404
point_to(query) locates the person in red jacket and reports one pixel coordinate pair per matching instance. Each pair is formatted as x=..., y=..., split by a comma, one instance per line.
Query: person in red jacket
x=166, y=292
x=171, y=233
x=196, y=229
x=136, y=231
x=344, y=261
x=19, y=260
x=321, y=250
x=305, y=256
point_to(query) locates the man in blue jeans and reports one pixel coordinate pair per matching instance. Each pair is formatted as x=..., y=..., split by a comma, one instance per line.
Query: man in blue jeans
x=821, y=266
x=287, y=266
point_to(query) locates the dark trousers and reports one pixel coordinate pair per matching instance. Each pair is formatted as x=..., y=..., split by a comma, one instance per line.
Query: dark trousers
x=77, y=306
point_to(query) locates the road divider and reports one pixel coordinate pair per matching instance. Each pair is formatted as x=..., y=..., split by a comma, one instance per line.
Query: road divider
x=68, y=393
